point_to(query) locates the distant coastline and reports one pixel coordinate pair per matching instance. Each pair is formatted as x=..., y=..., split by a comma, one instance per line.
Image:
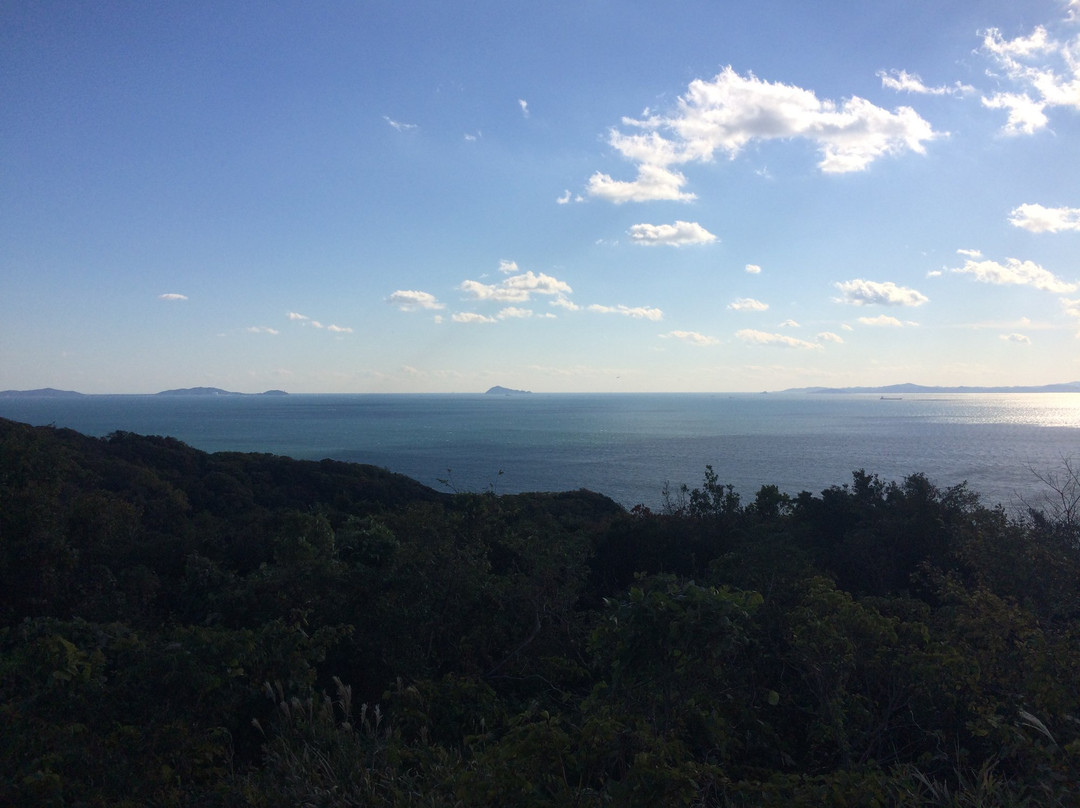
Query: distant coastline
x=1065, y=387
x=52, y=392
x=891, y=390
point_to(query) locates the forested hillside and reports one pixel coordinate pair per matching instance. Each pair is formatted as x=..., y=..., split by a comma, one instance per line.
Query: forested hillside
x=181, y=628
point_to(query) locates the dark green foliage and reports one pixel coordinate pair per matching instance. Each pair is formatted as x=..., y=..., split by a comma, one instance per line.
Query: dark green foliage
x=178, y=628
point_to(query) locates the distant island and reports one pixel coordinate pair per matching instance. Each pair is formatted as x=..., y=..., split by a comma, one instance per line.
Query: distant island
x=50, y=392
x=215, y=391
x=43, y=392
x=507, y=391
x=896, y=389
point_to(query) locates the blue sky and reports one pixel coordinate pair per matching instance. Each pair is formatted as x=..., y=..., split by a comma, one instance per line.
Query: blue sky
x=590, y=196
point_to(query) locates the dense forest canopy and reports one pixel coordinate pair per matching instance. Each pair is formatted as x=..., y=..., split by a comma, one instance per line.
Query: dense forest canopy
x=183, y=628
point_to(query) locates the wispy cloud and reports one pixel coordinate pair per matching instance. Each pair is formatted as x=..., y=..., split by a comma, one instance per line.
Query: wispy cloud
x=728, y=112
x=1039, y=219
x=829, y=336
x=401, y=127
x=292, y=315
x=1072, y=309
x=753, y=269
x=524, y=107
x=261, y=329
x=637, y=312
x=339, y=329
x=860, y=292
x=674, y=235
x=508, y=267
x=789, y=323
x=172, y=296
x=693, y=337
x=565, y=303
x=514, y=313
x=1044, y=71
x=412, y=300
x=752, y=337
x=1019, y=338
x=883, y=320
x=904, y=82
x=1015, y=273
x=747, y=304
x=471, y=317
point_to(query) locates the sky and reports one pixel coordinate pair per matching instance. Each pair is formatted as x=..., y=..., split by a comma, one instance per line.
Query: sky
x=392, y=196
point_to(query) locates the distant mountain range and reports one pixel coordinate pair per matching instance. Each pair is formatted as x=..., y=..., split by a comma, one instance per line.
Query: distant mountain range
x=51, y=392
x=899, y=389
x=498, y=390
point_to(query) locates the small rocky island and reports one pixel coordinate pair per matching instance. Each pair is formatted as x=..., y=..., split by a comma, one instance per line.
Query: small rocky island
x=506, y=391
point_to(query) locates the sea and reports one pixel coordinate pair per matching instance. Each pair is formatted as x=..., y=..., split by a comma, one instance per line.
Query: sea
x=627, y=446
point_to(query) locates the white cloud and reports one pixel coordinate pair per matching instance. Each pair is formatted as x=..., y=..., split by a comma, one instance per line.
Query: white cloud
x=471, y=317
x=1021, y=338
x=524, y=107
x=292, y=315
x=562, y=200
x=693, y=337
x=752, y=337
x=1046, y=73
x=970, y=253
x=1015, y=273
x=540, y=284
x=513, y=312
x=730, y=111
x=789, y=324
x=675, y=235
x=401, y=127
x=516, y=288
x=638, y=313
x=491, y=291
x=412, y=300
x=339, y=329
x=861, y=292
x=829, y=336
x=846, y=327
x=1039, y=219
x=507, y=267
x=882, y=320
x=261, y=329
x=747, y=304
x=652, y=183
x=172, y=296
x=565, y=303
x=753, y=269
x=904, y=82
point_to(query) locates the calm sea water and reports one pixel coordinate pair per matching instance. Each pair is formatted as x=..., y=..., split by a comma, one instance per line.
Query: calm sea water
x=624, y=445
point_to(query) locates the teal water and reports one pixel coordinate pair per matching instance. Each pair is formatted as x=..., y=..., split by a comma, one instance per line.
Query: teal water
x=624, y=445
